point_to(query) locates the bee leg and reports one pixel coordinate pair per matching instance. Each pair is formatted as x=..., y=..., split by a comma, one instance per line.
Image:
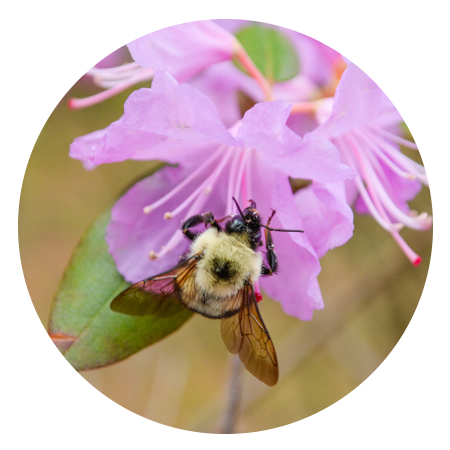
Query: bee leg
x=206, y=218
x=271, y=256
x=209, y=219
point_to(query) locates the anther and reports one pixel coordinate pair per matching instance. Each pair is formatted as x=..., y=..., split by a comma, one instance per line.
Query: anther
x=168, y=216
x=152, y=255
x=208, y=190
x=147, y=209
x=398, y=226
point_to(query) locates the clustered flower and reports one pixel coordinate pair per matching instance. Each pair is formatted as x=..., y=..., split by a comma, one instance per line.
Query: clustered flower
x=329, y=125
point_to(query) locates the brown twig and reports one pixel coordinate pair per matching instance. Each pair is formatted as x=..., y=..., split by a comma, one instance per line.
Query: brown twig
x=234, y=397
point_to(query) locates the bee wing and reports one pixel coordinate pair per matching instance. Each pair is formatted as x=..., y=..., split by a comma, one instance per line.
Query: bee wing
x=158, y=294
x=245, y=334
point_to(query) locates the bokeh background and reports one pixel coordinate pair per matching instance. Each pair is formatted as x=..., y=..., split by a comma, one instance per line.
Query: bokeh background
x=369, y=287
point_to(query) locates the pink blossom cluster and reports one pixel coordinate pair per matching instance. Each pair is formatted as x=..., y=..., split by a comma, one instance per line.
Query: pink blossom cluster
x=330, y=124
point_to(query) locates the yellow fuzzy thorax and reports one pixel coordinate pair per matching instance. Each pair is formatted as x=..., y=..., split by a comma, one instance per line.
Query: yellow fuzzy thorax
x=219, y=248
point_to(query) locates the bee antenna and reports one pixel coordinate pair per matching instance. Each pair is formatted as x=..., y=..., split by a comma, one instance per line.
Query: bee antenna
x=235, y=201
x=287, y=231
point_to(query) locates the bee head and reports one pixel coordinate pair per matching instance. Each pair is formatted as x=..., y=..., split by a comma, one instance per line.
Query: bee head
x=248, y=221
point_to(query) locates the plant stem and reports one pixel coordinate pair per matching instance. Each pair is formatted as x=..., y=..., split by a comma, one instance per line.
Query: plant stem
x=234, y=397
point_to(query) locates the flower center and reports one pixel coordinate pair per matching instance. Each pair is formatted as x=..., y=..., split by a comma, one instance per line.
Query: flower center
x=227, y=169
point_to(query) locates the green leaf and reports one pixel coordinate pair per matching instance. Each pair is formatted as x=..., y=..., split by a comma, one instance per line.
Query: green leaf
x=82, y=325
x=271, y=52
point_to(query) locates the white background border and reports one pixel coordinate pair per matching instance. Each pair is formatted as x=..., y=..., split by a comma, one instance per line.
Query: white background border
x=48, y=45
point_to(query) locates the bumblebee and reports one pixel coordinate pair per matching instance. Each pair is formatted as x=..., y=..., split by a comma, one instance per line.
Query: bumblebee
x=216, y=279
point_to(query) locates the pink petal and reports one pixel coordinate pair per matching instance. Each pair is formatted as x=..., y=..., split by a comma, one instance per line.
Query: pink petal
x=264, y=128
x=317, y=60
x=183, y=50
x=131, y=234
x=221, y=83
x=327, y=218
x=175, y=111
x=85, y=147
x=358, y=100
x=295, y=285
x=117, y=143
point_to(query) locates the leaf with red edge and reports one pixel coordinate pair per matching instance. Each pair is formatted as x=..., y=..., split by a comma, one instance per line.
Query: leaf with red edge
x=82, y=325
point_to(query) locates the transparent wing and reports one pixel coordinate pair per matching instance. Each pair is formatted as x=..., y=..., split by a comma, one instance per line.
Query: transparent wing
x=245, y=334
x=159, y=294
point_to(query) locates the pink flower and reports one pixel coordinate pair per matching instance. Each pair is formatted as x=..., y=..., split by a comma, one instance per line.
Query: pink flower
x=320, y=69
x=362, y=123
x=217, y=154
x=252, y=160
x=183, y=50
x=201, y=52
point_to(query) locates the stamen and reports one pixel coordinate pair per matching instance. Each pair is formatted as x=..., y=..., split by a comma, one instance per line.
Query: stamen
x=207, y=182
x=195, y=202
x=108, y=78
x=178, y=236
x=303, y=107
x=182, y=185
x=257, y=290
x=231, y=181
x=244, y=178
x=143, y=75
x=152, y=255
x=383, y=156
x=377, y=212
x=418, y=223
x=243, y=159
x=248, y=173
x=174, y=242
x=402, y=160
x=394, y=138
x=411, y=255
x=253, y=71
x=168, y=216
x=123, y=67
x=314, y=106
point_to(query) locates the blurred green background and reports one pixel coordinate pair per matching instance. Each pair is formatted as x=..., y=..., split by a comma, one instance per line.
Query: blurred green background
x=369, y=287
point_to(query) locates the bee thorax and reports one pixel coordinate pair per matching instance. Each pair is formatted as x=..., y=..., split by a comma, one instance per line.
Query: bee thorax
x=226, y=265
x=224, y=270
